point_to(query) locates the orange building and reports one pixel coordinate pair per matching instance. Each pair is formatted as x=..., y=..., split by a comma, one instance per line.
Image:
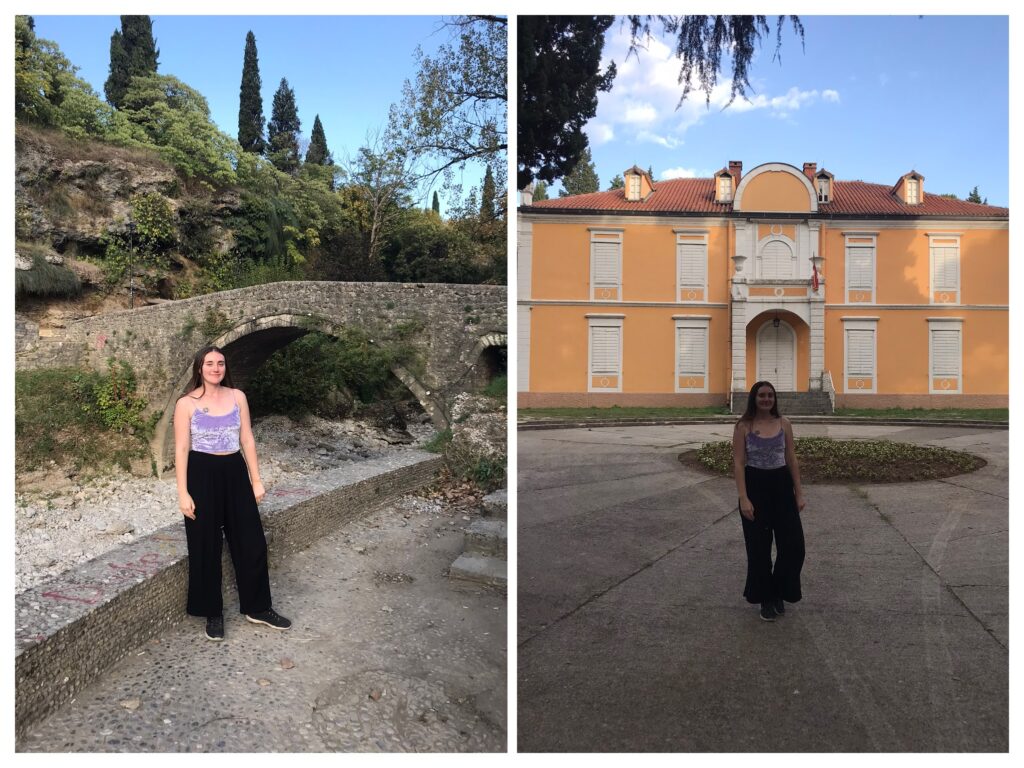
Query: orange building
x=685, y=292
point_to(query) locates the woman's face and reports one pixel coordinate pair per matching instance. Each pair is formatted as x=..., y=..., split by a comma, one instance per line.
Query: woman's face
x=765, y=398
x=213, y=368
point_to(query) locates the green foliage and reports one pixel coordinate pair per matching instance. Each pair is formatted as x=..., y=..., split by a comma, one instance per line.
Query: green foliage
x=57, y=418
x=133, y=53
x=283, y=130
x=154, y=222
x=975, y=197
x=439, y=442
x=44, y=279
x=582, y=179
x=195, y=228
x=435, y=205
x=250, y=102
x=487, y=212
x=318, y=154
x=298, y=379
x=118, y=403
x=497, y=388
x=147, y=248
x=617, y=182
x=214, y=324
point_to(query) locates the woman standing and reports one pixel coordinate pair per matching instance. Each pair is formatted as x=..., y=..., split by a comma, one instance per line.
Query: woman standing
x=218, y=488
x=770, y=500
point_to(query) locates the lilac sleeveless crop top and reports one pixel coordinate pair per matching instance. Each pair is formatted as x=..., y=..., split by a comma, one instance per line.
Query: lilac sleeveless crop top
x=766, y=452
x=216, y=434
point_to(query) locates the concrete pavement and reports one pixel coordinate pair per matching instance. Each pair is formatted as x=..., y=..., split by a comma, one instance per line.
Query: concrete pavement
x=634, y=635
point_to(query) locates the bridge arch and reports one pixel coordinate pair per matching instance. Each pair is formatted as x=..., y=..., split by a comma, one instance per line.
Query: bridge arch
x=249, y=344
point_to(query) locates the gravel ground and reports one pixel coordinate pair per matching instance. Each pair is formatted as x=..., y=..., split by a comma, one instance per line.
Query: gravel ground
x=69, y=522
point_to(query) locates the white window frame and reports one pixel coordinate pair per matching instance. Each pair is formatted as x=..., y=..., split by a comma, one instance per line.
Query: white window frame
x=913, y=191
x=725, y=190
x=603, y=321
x=860, y=324
x=945, y=324
x=935, y=241
x=683, y=323
x=850, y=244
x=605, y=237
x=691, y=237
x=633, y=187
x=823, y=185
x=793, y=258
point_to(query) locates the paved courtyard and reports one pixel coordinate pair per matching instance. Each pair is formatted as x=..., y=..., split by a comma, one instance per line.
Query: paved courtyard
x=633, y=634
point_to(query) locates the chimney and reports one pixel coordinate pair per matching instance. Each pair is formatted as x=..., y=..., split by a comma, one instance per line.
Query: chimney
x=810, y=169
x=736, y=169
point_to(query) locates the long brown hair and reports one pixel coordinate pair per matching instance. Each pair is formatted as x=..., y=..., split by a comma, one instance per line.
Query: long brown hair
x=748, y=415
x=197, y=371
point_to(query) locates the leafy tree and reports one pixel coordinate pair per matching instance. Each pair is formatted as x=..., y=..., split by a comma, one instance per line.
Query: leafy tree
x=283, y=130
x=487, y=197
x=975, y=197
x=559, y=59
x=317, y=154
x=133, y=53
x=250, y=102
x=540, y=191
x=455, y=111
x=582, y=179
x=435, y=206
x=617, y=182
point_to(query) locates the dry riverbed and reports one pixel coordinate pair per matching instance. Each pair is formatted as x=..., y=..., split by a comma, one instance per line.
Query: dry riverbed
x=61, y=521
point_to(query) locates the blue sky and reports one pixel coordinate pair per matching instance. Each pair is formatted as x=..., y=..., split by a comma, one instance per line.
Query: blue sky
x=336, y=65
x=869, y=98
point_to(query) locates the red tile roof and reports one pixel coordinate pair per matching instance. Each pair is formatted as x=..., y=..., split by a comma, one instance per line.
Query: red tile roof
x=697, y=196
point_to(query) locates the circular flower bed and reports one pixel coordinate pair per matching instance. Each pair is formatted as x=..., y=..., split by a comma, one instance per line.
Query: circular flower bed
x=824, y=460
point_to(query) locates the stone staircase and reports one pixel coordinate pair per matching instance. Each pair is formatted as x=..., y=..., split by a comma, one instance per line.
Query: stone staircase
x=792, y=403
x=484, y=558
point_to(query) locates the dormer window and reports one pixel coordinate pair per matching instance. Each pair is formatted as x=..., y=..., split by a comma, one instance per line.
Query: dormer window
x=823, y=189
x=639, y=184
x=725, y=188
x=633, y=187
x=913, y=192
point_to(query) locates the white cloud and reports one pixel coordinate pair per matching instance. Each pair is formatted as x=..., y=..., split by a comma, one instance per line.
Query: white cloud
x=829, y=95
x=599, y=133
x=669, y=142
x=640, y=113
x=678, y=173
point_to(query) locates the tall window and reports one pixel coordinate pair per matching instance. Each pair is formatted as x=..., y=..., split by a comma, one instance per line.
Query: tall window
x=945, y=268
x=634, y=186
x=860, y=268
x=945, y=356
x=692, y=354
x=822, y=189
x=913, y=191
x=605, y=354
x=861, y=358
x=605, y=265
x=691, y=265
x=725, y=188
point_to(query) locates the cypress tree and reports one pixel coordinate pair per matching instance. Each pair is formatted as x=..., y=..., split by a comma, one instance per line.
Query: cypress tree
x=133, y=52
x=487, y=197
x=436, y=205
x=317, y=154
x=250, y=103
x=581, y=179
x=283, y=130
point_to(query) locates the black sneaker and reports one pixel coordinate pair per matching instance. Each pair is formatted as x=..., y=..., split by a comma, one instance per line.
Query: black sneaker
x=215, y=628
x=780, y=606
x=767, y=612
x=271, y=618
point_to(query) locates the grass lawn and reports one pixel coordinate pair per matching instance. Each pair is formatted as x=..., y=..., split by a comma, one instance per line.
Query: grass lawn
x=615, y=412
x=973, y=414
x=824, y=460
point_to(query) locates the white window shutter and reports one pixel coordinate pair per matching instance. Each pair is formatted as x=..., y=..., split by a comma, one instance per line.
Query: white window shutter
x=693, y=343
x=946, y=353
x=860, y=353
x=604, y=350
x=692, y=263
x=861, y=269
x=606, y=264
x=945, y=266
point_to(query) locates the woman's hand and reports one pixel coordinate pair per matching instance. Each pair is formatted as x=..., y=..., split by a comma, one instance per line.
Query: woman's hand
x=800, y=503
x=187, y=506
x=746, y=508
x=258, y=491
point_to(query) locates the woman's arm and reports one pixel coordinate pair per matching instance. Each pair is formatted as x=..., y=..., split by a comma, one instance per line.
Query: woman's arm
x=793, y=464
x=182, y=444
x=739, y=461
x=248, y=443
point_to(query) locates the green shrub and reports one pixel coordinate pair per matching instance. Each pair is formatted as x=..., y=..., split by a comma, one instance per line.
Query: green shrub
x=497, y=387
x=439, y=442
x=117, y=401
x=46, y=279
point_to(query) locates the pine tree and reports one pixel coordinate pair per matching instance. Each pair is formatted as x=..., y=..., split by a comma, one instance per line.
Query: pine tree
x=540, y=191
x=283, y=130
x=436, y=205
x=581, y=179
x=317, y=154
x=617, y=182
x=250, y=102
x=133, y=53
x=974, y=197
x=487, y=197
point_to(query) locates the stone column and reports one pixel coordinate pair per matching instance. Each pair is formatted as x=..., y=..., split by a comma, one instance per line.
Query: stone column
x=738, y=307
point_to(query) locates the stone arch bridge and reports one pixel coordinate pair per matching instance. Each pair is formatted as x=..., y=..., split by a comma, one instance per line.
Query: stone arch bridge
x=446, y=328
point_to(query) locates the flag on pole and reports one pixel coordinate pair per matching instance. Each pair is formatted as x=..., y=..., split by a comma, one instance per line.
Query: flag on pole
x=814, y=277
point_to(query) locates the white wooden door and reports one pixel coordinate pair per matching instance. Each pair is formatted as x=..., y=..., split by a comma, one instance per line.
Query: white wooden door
x=776, y=356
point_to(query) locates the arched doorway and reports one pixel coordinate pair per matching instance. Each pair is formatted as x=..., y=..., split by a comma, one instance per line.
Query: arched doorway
x=776, y=355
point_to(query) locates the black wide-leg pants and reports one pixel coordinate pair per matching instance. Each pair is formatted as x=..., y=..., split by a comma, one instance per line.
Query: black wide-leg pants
x=775, y=516
x=220, y=488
